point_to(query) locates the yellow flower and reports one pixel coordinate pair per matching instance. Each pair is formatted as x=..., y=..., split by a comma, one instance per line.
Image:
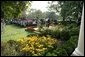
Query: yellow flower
x=35, y=55
x=20, y=41
x=40, y=46
x=36, y=44
x=39, y=50
x=23, y=49
x=33, y=52
x=44, y=48
x=26, y=44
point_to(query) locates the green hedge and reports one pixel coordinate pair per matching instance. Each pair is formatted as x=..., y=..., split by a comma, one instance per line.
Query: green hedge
x=74, y=31
x=63, y=35
x=66, y=49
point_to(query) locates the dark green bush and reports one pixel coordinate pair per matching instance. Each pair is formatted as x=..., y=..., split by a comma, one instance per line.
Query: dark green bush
x=70, y=45
x=3, y=45
x=66, y=49
x=52, y=33
x=74, y=31
x=51, y=54
x=55, y=33
x=74, y=40
x=12, y=42
x=60, y=52
x=57, y=52
x=9, y=50
x=65, y=34
x=45, y=32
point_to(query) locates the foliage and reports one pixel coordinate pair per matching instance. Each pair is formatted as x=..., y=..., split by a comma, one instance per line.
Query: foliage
x=13, y=9
x=58, y=32
x=28, y=46
x=42, y=15
x=65, y=34
x=35, y=45
x=66, y=49
x=45, y=32
x=12, y=43
x=71, y=44
x=52, y=16
x=3, y=44
x=55, y=34
x=51, y=54
x=74, y=31
x=7, y=50
x=68, y=8
x=35, y=14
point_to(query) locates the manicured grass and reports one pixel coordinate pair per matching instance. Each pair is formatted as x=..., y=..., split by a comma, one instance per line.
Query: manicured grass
x=13, y=32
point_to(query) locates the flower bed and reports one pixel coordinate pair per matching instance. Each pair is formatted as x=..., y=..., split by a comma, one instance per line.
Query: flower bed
x=30, y=46
x=36, y=45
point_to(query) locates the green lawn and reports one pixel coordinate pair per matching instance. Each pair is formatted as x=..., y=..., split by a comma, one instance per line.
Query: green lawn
x=13, y=32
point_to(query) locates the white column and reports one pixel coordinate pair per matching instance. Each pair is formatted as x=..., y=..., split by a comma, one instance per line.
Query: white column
x=79, y=51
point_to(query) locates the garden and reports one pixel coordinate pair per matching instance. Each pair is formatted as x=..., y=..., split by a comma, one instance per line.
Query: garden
x=59, y=40
x=32, y=32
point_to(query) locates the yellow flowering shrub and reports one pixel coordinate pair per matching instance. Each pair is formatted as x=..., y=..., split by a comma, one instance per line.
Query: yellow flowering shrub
x=35, y=45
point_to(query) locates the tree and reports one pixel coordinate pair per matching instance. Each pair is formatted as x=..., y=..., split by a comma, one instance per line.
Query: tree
x=13, y=9
x=51, y=16
x=68, y=8
x=35, y=14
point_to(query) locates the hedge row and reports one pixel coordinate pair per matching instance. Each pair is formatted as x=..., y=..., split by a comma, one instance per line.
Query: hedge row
x=66, y=49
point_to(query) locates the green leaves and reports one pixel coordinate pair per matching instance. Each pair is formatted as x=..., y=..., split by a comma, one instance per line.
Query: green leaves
x=35, y=14
x=12, y=9
x=67, y=8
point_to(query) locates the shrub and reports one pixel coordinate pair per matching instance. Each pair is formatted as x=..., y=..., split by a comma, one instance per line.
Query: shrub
x=57, y=52
x=60, y=52
x=65, y=34
x=12, y=42
x=45, y=32
x=66, y=49
x=72, y=25
x=51, y=54
x=58, y=32
x=8, y=50
x=70, y=45
x=55, y=33
x=3, y=45
x=74, y=31
x=35, y=45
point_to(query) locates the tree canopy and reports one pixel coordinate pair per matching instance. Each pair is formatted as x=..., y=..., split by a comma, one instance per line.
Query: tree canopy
x=41, y=15
x=52, y=15
x=13, y=9
x=68, y=8
x=38, y=14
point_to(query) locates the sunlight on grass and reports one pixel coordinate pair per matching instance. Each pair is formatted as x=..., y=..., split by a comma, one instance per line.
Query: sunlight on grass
x=13, y=32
